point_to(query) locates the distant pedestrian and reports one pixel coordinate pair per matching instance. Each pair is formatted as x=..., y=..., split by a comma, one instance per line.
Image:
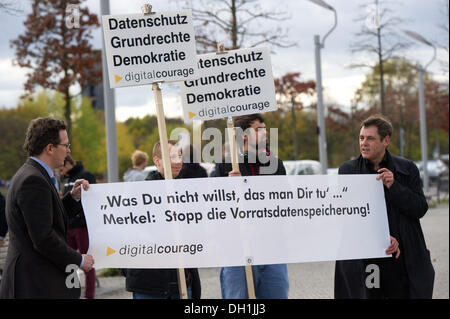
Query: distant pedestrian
x=38, y=254
x=139, y=160
x=162, y=283
x=77, y=232
x=409, y=274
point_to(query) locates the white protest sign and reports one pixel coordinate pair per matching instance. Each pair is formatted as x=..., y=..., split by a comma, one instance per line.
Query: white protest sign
x=236, y=221
x=143, y=49
x=233, y=83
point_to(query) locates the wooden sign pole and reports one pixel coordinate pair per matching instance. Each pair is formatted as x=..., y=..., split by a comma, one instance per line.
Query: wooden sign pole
x=165, y=157
x=235, y=166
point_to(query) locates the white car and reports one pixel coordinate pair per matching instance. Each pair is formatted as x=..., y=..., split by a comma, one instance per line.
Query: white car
x=333, y=171
x=303, y=167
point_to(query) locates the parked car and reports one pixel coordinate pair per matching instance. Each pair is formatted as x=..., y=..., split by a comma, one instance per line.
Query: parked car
x=332, y=171
x=208, y=166
x=302, y=167
x=435, y=168
x=148, y=169
x=444, y=157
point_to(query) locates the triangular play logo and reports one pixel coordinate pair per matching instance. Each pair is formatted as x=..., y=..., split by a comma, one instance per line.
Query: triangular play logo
x=109, y=251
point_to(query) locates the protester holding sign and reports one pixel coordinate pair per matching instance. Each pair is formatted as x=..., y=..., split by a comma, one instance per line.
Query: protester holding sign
x=271, y=281
x=412, y=274
x=162, y=283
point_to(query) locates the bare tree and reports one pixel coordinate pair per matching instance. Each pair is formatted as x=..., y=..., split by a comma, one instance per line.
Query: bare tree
x=378, y=37
x=9, y=7
x=237, y=23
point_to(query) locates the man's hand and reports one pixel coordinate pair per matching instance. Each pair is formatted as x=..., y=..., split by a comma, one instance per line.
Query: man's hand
x=393, y=248
x=386, y=176
x=234, y=173
x=76, y=190
x=2, y=241
x=88, y=263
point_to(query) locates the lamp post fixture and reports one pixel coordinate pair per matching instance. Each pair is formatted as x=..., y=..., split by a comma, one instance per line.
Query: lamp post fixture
x=110, y=111
x=321, y=130
x=423, y=121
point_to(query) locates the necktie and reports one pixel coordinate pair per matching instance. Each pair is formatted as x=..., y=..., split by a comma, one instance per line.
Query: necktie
x=54, y=181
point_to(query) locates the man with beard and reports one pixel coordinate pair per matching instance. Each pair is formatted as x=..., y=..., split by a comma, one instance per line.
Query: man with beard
x=270, y=281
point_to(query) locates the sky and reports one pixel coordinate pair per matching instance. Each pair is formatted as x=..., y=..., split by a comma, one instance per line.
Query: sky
x=306, y=20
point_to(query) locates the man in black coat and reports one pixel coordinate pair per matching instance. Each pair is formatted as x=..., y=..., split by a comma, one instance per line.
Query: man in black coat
x=163, y=283
x=77, y=232
x=38, y=254
x=411, y=275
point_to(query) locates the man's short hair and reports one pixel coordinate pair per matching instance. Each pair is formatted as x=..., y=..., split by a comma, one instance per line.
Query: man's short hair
x=157, y=148
x=70, y=160
x=383, y=125
x=138, y=157
x=245, y=121
x=41, y=132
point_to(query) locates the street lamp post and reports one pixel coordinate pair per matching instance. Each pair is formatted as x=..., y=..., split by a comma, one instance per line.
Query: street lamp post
x=110, y=111
x=321, y=130
x=423, y=122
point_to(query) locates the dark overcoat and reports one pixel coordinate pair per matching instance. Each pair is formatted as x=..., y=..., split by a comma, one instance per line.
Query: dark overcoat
x=406, y=202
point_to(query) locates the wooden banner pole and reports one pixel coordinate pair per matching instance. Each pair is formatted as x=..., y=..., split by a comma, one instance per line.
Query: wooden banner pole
x=167, y=169
x=147, y=9
x=235, y=166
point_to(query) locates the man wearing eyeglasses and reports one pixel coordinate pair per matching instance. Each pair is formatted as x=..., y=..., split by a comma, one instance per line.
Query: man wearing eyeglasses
x=38, y=255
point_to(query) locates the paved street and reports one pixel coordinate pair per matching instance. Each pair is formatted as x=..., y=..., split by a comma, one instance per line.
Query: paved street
x=315, y=280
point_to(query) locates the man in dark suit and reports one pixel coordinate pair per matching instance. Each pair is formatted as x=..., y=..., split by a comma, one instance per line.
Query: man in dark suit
x=38, y=255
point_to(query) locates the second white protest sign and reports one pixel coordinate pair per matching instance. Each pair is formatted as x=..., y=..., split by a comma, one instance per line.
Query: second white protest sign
x=232, y=83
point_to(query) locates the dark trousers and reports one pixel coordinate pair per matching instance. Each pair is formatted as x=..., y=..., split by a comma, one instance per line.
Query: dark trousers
x=78, y=239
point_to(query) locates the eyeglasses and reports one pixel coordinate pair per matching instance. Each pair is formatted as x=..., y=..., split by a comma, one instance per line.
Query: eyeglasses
x=66, y=145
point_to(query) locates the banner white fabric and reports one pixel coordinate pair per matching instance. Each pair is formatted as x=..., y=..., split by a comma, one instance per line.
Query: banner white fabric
x=223, y=221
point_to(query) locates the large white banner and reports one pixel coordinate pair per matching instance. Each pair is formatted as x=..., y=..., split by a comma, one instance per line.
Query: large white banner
x=231, y=221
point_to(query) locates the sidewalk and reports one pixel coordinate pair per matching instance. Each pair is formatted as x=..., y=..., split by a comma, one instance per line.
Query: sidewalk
x=315, y=280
